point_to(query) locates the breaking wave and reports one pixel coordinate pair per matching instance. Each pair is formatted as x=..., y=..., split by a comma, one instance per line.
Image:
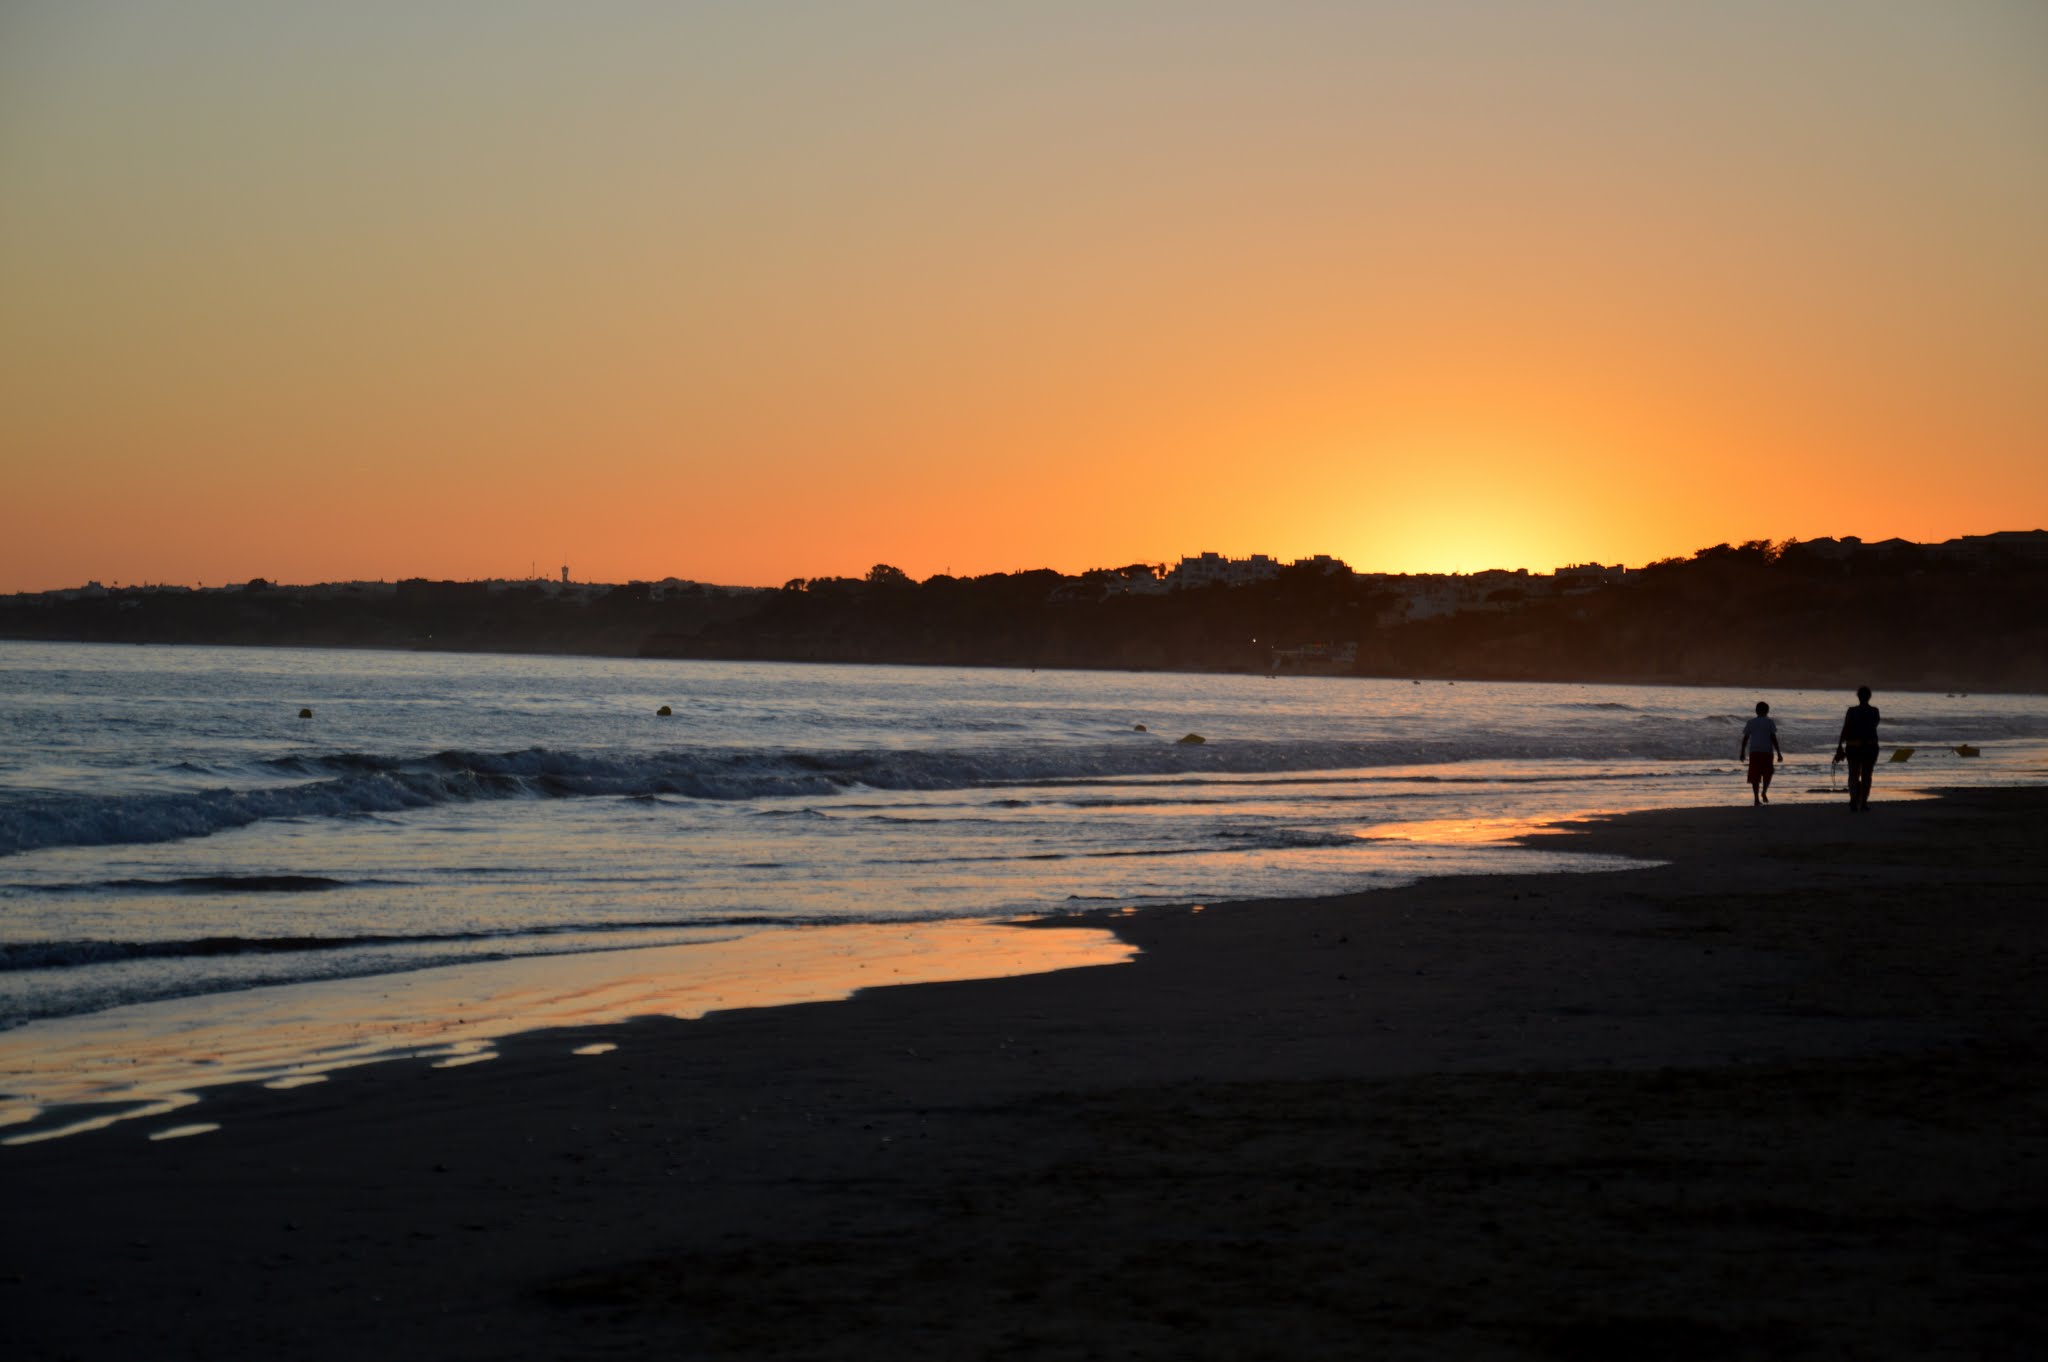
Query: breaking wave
x=346, y=784
x=357, y=784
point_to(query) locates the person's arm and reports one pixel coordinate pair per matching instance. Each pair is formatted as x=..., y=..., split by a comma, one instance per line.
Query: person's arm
x=1777, y=746
x=1842, y=740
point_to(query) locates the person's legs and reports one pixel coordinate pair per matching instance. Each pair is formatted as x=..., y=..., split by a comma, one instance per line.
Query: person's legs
x=1860, y=770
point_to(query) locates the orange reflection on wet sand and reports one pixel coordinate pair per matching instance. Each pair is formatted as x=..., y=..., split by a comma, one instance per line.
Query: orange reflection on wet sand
x=1463, y=831
x=67, y=1075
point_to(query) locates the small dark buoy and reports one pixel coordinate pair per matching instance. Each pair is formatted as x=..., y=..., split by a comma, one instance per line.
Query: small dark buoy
x=1193, y=740
x=1138, y=728
x=664, y=712
x=305, y=714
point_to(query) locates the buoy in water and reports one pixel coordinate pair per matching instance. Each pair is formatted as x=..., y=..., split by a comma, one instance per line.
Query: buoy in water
x=1139, y=728
x=1902, y=754
x=1967, y=751
x=663, y=712
x=1193, y=740
x=305, y=714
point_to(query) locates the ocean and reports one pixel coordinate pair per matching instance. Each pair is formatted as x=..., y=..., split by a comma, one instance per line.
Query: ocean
x=174, y=834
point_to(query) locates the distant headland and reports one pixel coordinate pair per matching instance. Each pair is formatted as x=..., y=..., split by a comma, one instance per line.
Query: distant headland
x=1970, y=614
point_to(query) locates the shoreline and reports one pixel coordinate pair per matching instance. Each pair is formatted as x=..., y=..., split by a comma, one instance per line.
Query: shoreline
x=62, y=1076
x=1780, y=1094
x=1826, y=679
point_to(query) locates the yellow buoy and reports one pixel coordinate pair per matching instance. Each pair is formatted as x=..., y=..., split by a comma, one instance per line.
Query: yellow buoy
x=1901, y=753
x=1193, y=740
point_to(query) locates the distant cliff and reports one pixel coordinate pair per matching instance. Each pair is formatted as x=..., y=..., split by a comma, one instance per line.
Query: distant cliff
x=1897, y=616
x=413, y=616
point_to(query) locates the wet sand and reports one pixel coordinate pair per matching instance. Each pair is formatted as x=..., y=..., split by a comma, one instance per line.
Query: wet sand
x=1781, y=1097
x=160, y=1063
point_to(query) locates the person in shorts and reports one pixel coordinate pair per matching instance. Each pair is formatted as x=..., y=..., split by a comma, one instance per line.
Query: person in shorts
x=1857, y=745
x=1759, y=741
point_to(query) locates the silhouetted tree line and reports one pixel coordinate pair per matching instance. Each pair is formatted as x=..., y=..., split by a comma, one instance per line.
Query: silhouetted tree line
x=1751, y=613
x=1033, y=619
x=1759, y=613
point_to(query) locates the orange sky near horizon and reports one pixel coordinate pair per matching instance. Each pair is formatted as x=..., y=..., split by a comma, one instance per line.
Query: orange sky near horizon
x=755, y=292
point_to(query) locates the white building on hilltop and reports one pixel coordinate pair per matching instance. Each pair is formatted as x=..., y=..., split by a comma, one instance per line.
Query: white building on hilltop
x=1577, y=577
x=1213, y=569
x=1204, y=570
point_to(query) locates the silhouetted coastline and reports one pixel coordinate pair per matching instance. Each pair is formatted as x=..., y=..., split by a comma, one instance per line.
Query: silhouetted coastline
x=1787, y=615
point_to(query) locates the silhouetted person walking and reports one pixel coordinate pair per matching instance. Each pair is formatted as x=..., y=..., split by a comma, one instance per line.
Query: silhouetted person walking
x=1858, y=746
x=1759, y=741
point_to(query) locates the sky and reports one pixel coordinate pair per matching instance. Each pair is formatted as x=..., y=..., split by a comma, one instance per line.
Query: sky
x=752, y=291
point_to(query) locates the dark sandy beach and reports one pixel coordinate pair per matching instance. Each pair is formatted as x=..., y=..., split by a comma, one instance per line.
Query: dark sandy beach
x=1781, y=1097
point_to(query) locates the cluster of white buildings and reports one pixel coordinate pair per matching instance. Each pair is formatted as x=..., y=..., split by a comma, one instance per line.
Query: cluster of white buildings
x=1422, y=595
x=1211, y=569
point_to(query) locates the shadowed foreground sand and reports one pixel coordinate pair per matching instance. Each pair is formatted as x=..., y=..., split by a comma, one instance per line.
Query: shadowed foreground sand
x=1784, y=1097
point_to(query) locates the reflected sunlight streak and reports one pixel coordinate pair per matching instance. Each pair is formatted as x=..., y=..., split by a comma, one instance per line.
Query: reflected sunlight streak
x=69, y=1075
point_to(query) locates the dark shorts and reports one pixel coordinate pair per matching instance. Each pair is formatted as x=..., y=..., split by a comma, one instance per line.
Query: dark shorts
x=1860, y=753
x=1759, y=767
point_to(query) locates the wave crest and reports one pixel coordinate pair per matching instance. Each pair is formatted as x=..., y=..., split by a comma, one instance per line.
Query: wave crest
x=358, y=784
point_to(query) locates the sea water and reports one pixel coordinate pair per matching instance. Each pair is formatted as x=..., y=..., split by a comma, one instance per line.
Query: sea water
x=170, y=825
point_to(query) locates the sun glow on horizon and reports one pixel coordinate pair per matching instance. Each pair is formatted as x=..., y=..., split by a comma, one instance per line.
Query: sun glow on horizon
x=327, y=293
